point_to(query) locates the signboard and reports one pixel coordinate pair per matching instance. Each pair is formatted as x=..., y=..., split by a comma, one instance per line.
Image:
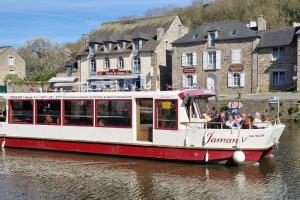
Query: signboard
x=235, y=104
x=114, y=72
x=188, y=70
x=236, y=68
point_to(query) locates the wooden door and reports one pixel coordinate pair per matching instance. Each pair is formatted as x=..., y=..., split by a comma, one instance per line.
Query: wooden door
x=144, y=119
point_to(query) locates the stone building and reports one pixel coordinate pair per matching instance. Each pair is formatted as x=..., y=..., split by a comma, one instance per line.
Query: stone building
x=11, y=64
x=277, y=59
x=67, y=76
x=216, y=56
x=298, y=60
x=231, y=57
x=131, y=54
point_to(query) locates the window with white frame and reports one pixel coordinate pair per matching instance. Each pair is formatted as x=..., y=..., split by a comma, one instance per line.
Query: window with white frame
x=106, y=63
x=236, y=79
x=212, y=39
x=93, y=66
x=236, y=56
x=189, y=59
x=212, y=60
x=137, y=65
x=278, y=53
x=120, y=45
x=107, y=46
x=136, y=45
x=11, y=60
x=189, y=80
x=279, y=78
x=120, y=63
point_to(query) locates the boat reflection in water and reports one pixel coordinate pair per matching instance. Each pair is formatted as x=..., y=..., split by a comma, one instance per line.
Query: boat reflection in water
x=27, y=174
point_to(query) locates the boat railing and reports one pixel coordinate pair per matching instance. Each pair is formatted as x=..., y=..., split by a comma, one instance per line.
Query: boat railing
x=221, y=125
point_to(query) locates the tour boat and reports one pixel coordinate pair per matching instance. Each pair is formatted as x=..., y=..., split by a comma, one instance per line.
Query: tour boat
x=149, y=124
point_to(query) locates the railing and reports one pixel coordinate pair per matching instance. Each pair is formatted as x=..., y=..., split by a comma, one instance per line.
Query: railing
x=221, y=125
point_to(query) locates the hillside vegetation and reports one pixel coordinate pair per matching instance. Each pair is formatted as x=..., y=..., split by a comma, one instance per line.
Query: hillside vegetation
x=278, y=13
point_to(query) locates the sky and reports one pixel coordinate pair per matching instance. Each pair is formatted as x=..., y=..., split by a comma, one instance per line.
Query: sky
x=65, y=20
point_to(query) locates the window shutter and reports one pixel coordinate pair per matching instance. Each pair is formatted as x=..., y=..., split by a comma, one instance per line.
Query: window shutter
x=204, y=59
x=242, y=80
x=218, y=60
x=183, y=60
x=236, y=56
x=183, y=81
x=195, y=80
x=230, y=80
x=194, y=59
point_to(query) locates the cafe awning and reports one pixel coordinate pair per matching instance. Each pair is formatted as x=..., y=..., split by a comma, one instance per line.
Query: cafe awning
x=114, y=77
x=63, y=80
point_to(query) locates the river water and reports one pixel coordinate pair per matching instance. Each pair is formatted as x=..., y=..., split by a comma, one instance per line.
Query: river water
x=30, y=174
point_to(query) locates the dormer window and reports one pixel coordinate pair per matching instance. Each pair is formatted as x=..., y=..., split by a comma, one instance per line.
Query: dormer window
x=107, y=46
x=211, y=39
x=92, y=49
x=120, y=45
x=136, y=45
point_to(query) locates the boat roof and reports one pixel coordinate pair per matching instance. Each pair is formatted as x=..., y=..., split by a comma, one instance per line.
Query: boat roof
x=113, y=95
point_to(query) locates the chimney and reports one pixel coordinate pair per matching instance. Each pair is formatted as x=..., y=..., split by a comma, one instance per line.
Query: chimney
x=160, y=33
x=261, y=23
x=296, y=24
x=85, y=39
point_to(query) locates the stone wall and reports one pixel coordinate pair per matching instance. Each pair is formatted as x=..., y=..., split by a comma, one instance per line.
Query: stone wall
x=250, y=106
x=27, y=88
x=175, y=31
x=266, y=67
x=298, y=63
x=18, y=68
x=247, y=60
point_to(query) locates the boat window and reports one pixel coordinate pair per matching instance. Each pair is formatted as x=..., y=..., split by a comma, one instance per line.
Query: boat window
x=21, y=111
x=166, y=114
x=202, y=105
x=2, y=110
x=48, y=112
x=113, y=113
x=78, y=112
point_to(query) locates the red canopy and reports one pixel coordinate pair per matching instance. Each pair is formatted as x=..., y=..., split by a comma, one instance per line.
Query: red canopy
x=197, y=92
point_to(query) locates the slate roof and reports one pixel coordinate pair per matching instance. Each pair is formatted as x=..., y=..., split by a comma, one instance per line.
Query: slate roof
x=144, y=28
x=227, y=30
x=127, y=30
x=276, y=37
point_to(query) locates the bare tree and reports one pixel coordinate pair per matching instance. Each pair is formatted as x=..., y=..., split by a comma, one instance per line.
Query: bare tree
x=43, y=58
x=153, y=12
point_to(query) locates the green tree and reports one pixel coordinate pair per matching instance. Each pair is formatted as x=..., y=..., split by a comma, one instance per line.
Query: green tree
x=43, y=58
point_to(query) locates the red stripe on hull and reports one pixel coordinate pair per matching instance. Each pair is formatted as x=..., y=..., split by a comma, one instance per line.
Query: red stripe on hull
x=170, y=153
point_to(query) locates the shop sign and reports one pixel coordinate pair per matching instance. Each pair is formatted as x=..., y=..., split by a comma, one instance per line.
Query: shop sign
x=114, y=72
x=236, y=68
x=188, y=70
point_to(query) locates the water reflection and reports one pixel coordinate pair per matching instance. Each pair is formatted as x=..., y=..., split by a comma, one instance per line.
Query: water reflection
x=27, y=174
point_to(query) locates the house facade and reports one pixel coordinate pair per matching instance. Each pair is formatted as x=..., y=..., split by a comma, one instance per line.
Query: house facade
x=131, y=54
x=216, y=56
x=277, y=60
x=11, y=64
x=232, y=57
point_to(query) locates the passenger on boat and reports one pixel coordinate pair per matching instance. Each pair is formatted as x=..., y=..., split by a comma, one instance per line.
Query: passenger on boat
x=248, y=123
x=231, y=122
x=238, y=118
